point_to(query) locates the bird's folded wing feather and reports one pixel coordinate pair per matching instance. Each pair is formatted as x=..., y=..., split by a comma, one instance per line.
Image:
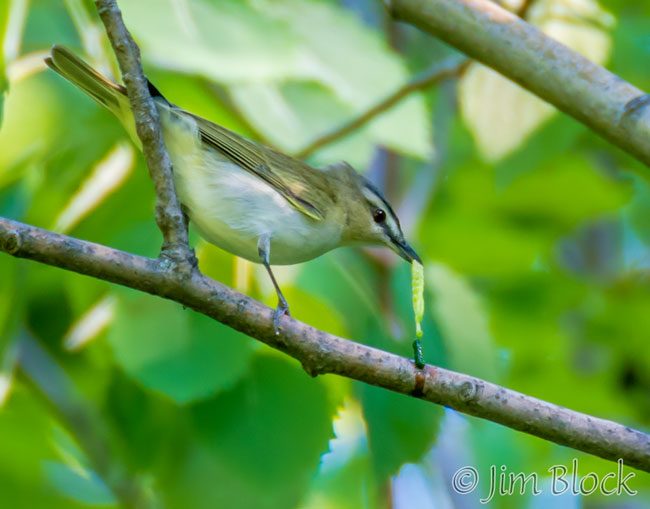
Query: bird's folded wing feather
x=281, y=172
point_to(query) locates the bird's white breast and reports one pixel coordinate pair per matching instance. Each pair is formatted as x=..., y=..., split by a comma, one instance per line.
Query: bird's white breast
x=233, y=208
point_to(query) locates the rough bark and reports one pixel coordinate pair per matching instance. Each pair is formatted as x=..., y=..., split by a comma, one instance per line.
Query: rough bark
x=320, y=352
x=502, y=40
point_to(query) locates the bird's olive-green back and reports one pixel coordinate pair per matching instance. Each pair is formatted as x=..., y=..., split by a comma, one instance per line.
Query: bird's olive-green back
x=307, y=189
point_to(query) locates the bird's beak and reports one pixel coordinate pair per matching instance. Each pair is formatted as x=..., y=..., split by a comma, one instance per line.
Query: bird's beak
x=402, y=248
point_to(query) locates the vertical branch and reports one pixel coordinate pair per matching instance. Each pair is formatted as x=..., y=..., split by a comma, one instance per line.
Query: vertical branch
x=169, y=215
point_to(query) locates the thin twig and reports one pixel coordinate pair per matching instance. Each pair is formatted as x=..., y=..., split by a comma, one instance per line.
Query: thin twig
x=436, y=74
x=85, y=424
x=168, y=209
x=320, y=352
x=524, y=8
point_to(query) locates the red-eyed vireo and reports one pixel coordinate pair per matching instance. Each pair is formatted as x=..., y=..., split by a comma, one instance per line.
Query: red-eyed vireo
x=249, y=199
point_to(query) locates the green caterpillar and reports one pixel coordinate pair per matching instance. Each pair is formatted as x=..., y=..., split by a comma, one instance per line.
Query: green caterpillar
x=417, y=287
x=417, y=284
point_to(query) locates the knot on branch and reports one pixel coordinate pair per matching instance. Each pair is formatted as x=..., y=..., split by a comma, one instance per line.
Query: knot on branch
x=314, y=364
x=468, y=391
x=148, y=129
x=420, y=379
x=635, y=106
x=178, y=259
x=11, y=242
x=311, y=369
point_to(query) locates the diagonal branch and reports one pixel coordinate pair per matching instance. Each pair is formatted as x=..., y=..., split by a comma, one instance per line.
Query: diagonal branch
x=168, y=209
x=320, y=352
x=437, y=74
x=543, y=66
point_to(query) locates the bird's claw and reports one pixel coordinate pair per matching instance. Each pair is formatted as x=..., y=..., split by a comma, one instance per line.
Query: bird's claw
x=281, y=310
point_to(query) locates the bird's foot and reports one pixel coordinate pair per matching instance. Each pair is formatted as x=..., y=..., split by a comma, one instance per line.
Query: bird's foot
x=281, y=310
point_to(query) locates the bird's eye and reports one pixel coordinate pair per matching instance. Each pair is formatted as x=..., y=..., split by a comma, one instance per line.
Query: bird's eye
x=379, y=216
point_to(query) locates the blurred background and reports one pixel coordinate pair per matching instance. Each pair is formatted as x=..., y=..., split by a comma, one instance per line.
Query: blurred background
x=533, y=230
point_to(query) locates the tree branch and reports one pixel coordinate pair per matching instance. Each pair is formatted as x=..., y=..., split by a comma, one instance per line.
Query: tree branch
x=169, y=216
x=318, y=351
x=550, y=70
x=438, y=73
x=322, y=353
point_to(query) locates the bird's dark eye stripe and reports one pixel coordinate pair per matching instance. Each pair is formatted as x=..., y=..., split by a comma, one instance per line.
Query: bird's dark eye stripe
x=379, y=216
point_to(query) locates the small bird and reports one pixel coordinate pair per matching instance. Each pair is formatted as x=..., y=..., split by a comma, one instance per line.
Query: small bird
x=248, y=199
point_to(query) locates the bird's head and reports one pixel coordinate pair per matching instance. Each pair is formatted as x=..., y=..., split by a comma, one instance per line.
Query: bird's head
x=371, y=220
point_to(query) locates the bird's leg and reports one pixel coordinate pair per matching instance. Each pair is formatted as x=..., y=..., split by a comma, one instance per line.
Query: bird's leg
x=264, y=250
x=186, y=221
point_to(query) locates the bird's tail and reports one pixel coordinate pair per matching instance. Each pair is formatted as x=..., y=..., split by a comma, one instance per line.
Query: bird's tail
x=104, y=91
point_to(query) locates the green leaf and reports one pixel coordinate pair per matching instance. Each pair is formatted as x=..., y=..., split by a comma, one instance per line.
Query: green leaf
x=401, y=429
x=81, y=485
x=291, y=115
x=500, y=113
x=33, y=143
x=11, y=270
x=346, y=283
x=368, y=72
x=25, y=438
x=638, y=212
x=571, y=179
x=224, y=41
x=275, y=55
x=552, y=140
x=463, y=323
x=48, y=23
x=12, y=304
x=4, y=82
x=310, y=308
x=176, y=351
x=519, y=224
x=631, y=43
x=195, y=94
x=259, y=443
x=141, y=418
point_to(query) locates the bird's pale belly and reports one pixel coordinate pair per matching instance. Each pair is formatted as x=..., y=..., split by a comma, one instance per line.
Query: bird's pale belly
x=232, y=209
x=285, y=249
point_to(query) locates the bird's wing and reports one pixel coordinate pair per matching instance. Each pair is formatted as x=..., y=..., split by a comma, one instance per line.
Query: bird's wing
x=287, y=176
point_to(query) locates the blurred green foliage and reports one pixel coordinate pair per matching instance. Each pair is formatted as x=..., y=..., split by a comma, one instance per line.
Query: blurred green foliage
x=533, y=230
x=4, y=18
